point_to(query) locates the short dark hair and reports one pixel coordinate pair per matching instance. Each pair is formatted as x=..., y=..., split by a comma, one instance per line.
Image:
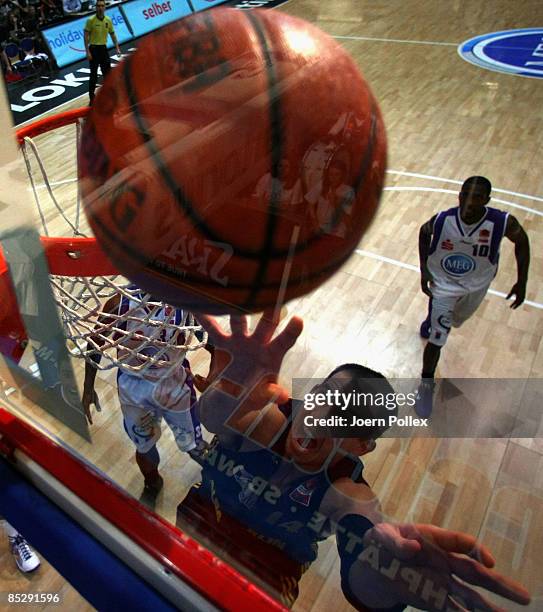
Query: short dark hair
x=359, y=379
x=478, y=180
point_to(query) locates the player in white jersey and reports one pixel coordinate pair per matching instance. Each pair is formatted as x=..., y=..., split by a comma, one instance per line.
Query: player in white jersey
x=161, y=391
x=459, y=253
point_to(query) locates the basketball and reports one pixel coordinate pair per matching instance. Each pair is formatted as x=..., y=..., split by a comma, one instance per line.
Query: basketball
x=233, y=162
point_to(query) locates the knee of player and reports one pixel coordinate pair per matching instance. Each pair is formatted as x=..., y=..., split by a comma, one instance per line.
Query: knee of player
x=437, y=340
x=147, y=447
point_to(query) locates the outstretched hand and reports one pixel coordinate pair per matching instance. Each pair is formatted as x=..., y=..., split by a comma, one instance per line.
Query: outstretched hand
x=245, y=359
x=519, y=291
x=90, y=397
x=437, y=567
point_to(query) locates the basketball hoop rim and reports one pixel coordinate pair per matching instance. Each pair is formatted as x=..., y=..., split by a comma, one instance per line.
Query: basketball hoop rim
x=52, y=122
x=77, y=255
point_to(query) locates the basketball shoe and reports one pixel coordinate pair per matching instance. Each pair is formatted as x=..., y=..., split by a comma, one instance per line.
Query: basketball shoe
x=424, y=400
x=151, y=489
x=25, y=558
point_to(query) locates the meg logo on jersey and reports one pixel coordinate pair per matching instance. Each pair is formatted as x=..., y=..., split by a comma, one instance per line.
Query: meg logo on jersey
x=458, y=264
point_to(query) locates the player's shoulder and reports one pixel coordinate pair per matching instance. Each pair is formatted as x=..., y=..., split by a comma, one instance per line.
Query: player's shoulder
x=449, y=212
x=440, y=216
x=346, y=496
x=495, y=214
x=443, y=214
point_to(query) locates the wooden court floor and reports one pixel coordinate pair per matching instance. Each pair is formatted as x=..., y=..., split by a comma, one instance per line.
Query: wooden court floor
x=446, y=120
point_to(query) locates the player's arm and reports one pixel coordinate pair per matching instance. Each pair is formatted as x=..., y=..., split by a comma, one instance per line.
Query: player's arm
x=389, y=566
x=243, y=377
x=515, y=232
x=386, y=566
x=89, y=394
x=86, y=36
x=425, y=239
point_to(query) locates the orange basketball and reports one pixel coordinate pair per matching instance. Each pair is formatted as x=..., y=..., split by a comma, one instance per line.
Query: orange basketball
x=234, y=161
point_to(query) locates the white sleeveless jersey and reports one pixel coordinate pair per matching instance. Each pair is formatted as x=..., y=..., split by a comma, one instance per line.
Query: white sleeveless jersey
x=464, y=258
x=172, y=355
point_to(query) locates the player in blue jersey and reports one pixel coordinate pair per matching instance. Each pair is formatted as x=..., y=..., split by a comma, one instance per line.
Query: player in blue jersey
x=270, y=491
x=459, y=252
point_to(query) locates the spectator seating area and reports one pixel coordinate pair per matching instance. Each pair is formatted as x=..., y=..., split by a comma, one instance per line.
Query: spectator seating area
x=22, y=53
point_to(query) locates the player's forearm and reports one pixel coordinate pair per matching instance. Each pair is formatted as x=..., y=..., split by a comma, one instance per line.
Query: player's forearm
x=90, y=373
x=227, y=407
x=217, y=404
x=522, y=255
x=362, y=581
x=424, y=248
x=86, y=38
x=368, y=593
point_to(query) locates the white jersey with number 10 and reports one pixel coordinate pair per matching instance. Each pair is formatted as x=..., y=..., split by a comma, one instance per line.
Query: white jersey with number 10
x=464, y=258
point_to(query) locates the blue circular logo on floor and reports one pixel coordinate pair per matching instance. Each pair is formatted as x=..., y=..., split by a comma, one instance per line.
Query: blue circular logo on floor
x=511, y=51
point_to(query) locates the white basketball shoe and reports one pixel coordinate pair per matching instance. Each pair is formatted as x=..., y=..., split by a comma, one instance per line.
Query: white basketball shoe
x=26, y=559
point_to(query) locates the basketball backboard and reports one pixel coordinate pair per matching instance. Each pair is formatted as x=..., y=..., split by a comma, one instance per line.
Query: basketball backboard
x=47, y=379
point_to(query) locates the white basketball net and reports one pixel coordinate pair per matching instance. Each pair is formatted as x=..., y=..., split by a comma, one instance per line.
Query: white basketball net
x=141, y=334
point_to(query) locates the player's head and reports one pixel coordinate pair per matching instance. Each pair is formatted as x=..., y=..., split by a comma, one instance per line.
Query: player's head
x=351, y=390
x=100, y=7
x=473, y=197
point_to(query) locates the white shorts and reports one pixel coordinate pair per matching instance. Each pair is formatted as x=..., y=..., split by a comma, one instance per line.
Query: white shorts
x=143, y=413
x=452, y=311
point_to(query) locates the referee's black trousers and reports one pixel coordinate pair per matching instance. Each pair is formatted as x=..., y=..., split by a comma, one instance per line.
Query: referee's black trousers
x=100, y=57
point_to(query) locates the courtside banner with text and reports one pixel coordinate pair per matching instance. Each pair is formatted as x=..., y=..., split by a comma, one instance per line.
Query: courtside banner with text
x=67, y=42
x=147, y=15
x=200, y=5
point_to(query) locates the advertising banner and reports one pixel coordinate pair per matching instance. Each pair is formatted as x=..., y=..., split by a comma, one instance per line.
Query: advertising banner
x=200, y=5
x=67, y=42
x=147, y=15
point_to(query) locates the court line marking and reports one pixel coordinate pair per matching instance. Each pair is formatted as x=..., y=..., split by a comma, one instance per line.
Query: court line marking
x=394, y=188
x=406, y=266
x=436, y=189
x=444, y=180
x=396, y=40
x=414, y=188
